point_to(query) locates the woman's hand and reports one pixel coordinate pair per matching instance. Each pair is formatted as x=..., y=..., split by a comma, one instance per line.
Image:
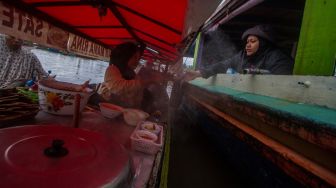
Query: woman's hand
x=190, y=75
x=152, y=78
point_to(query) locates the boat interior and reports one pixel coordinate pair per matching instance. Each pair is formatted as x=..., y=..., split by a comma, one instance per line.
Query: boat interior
x=229, y=130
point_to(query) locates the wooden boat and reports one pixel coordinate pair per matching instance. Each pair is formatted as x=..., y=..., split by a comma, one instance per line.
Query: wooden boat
x=139, y=169
x=279, y=131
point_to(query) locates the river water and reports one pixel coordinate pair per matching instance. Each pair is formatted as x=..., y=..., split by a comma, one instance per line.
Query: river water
x=75, y=69
x=71, y=68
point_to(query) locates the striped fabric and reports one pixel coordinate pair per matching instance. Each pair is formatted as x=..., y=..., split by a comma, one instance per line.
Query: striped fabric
x=17, y=65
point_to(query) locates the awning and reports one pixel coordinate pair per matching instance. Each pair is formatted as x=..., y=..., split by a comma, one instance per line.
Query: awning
x=157, y=24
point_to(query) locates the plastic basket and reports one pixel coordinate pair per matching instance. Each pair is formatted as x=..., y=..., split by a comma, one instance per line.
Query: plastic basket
x=147, y=146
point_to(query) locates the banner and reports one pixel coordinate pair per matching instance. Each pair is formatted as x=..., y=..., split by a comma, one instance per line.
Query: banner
x=87, y=48
x=22, y=25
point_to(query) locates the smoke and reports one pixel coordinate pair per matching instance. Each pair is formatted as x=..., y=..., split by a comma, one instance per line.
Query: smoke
x=217, y=47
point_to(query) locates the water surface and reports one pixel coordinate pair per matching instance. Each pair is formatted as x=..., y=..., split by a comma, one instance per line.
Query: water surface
x=71, y=68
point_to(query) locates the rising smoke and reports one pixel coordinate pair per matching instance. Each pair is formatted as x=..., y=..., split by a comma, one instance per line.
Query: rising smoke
x=217, y=47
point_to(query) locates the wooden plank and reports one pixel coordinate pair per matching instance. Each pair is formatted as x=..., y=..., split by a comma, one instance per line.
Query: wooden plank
x=321, y=91
x=309, y=137
x=293, y=162
x=316, y=54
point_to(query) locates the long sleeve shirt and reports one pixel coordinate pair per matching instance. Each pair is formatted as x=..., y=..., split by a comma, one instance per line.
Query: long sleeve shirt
x=117, y=90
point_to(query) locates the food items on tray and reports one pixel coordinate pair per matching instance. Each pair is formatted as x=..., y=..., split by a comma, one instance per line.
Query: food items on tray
x=15, y=106
x=146, y=141
x=151, y=127
x=146, y=135
x=29, y=94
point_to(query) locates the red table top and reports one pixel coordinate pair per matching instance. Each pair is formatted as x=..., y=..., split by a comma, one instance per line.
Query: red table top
x=92, y=159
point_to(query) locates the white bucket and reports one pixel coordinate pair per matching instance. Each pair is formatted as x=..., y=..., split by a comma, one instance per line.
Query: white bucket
x=61, y=102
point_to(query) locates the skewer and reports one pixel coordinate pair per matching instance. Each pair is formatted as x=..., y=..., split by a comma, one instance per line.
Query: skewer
x=76, y=111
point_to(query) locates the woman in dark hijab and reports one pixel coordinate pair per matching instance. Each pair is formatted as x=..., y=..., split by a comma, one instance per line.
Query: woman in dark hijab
x=122, y=86
x=125, y=57
x=260, y=53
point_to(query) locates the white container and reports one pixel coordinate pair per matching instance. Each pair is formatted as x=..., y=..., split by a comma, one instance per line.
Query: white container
x=61, y=102
x=134, y=117
x=110, y=110
x=146, y=146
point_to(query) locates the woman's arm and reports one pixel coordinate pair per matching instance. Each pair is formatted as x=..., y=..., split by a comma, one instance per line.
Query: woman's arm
x=115, y=81
x=220, y=67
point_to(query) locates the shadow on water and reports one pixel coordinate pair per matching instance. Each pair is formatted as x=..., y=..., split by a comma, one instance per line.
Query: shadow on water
x=70, y=68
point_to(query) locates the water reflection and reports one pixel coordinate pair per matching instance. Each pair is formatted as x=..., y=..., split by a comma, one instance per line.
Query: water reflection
x=70, y=68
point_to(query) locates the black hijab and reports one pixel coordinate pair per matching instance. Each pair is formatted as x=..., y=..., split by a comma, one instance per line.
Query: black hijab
x=265, y=35
x=120, y=56
x=256, y=60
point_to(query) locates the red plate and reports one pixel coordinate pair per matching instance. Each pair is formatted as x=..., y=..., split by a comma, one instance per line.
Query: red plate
x=89, y=158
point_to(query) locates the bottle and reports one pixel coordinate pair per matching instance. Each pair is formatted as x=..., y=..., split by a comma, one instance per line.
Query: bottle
x=256, y=71
x=230, y=71
x=30, y=83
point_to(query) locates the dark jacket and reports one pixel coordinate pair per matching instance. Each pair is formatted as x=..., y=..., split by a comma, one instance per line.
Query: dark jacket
x=272, y=60
x=268, y=56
